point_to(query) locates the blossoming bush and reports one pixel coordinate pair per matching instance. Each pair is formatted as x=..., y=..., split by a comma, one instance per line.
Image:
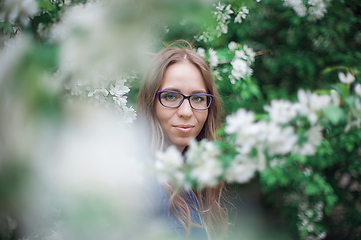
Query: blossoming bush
x=300, y=142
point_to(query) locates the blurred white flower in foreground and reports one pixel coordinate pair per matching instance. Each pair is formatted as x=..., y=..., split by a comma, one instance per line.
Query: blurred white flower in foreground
x=309, y=103
x=168, y=165
x=281, y=111
x=90, y=162
x=248, y=133
x=280, y=140
x=241, y=170
x=314, y=138
x=206, y=168
x=19, y=9
x=241, y=119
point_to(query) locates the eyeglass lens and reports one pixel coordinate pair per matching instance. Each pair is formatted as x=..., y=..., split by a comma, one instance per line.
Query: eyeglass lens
x=173, y=100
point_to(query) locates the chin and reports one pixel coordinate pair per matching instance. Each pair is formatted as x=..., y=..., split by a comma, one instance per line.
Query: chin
x=182, y=142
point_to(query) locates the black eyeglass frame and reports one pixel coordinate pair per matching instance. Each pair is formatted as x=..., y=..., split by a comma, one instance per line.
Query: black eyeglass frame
x=186, y=97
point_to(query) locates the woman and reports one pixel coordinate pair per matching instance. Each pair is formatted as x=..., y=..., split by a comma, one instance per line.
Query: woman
x=179, y=100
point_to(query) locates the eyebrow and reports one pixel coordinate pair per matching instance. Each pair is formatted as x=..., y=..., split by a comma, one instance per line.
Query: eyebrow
x=177, y=90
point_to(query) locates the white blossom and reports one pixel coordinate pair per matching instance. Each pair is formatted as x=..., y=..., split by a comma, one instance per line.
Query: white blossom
x=240, y=69
x=213, y=59
x=232, y=45
x=201, y=52
x=346, y=79
x=317, y=102
x=201, y=151
x=168, y=165
x=314, y=138
x=309, y=103
x=248, y=133
x=241, y=119
x=120, y=100
x=242, y=13
x=207, y=174
x=249, y=51
x=99, y=94
x=119, y=89
x=203, y=157
x=241, y=170
x=240, y=54
x=281, y=111
x=19, y=9
x=335, y=98
x=297, y=6
x=358, y=89
x=280, y=140
x=317, y=10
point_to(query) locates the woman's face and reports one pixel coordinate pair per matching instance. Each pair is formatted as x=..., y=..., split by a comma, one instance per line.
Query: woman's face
x=182, y=124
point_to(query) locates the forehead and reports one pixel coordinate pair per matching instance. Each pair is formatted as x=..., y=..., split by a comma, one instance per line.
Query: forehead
x=183, y=77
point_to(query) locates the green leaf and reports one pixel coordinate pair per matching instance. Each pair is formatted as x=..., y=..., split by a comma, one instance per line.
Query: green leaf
x=44, y=4
x=331, y=200
x=333, y=114
x=312, y=189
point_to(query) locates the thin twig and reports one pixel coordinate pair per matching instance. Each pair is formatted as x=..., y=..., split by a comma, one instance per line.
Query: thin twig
x=263, y=52
x=36, y=36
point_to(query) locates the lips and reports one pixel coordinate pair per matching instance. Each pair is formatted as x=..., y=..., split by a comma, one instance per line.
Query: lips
x=184, y=128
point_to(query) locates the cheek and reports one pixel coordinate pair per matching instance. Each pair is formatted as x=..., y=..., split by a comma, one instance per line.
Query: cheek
x=202, y=117
x=161, y=113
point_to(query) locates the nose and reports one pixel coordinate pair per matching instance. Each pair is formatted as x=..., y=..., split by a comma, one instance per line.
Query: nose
x=185, y=110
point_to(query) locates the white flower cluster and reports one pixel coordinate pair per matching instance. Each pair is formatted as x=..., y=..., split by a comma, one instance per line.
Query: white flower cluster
x=21, y=10
x=354, y=117
x=203, y=166
x=206, y=168
x=241, y=62
x=242, y=13
x=222, y=15
x=316, y=8
x=211, y=57
x=241, y=170
x=201, y=160
x=276, y=137
x=168, y=166
x=109, y=92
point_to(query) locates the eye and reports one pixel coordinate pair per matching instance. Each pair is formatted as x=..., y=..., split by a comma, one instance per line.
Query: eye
x=170, y=96
x=198, y=98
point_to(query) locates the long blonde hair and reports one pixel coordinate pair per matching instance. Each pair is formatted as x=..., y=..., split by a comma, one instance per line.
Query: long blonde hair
x=209, y=199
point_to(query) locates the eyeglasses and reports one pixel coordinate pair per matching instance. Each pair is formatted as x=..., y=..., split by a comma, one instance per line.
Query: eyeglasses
x=172, y=99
